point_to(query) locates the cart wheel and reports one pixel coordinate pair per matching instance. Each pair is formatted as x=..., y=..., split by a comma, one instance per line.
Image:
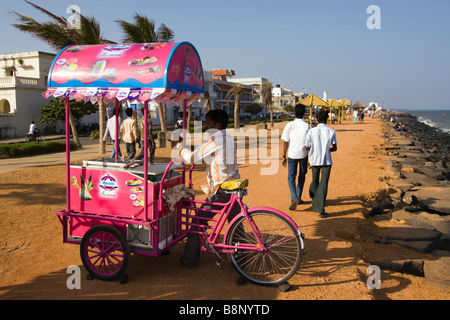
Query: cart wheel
x=104, y=252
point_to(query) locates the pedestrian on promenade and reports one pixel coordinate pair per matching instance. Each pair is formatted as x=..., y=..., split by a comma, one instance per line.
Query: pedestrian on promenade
x=111, y=131
x=355, y=116
x=293, y=136
x=219, y=152
x=151, y=141
x=129, y=135
x=361, y=116
x=320, y=142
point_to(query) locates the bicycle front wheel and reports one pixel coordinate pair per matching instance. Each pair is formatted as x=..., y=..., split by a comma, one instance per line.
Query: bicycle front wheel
x=280, y=256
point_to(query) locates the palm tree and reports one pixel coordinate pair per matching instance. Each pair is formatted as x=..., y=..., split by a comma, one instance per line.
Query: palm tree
x=58, y=35
x=207, y=101
x=266, y=96
x=143, y=31
x=236, y=91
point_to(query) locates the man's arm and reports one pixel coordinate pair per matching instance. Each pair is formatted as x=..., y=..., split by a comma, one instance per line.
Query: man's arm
x=285, y=148
x=206, y=149
x=333, y=146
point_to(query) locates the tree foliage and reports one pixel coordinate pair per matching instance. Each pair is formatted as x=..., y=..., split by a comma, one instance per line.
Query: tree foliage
x=143, y=30
x=253, y=108
x=56, y=110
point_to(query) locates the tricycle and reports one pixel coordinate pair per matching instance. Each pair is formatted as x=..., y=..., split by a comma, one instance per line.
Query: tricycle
x=116, y=207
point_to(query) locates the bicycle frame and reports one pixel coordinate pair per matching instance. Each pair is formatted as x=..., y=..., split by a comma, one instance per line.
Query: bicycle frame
x=218, y=223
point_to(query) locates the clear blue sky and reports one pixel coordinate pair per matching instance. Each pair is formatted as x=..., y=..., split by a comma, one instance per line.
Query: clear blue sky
x=317, y=44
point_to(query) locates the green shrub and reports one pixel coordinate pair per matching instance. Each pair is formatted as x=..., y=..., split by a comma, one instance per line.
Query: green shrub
x=95, y=134
x=32, y=148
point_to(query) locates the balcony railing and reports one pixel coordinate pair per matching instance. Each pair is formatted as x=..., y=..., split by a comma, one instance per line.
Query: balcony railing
x=12, y=82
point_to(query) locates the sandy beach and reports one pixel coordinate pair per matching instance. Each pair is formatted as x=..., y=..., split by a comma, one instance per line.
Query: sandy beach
x=33, y=259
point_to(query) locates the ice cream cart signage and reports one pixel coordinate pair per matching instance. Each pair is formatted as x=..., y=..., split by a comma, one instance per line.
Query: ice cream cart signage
x=127, y=71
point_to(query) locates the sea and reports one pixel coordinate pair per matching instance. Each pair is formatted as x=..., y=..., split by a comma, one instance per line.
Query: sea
x=433, y=118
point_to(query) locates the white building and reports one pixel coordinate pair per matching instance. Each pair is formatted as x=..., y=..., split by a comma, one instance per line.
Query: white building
x=23, y=79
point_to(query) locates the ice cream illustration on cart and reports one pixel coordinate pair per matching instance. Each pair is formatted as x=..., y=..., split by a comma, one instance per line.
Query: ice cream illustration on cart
x=84, y=188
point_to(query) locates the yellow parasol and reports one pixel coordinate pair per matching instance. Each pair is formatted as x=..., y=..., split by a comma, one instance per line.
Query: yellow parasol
x=311, y=101
x=333, y=103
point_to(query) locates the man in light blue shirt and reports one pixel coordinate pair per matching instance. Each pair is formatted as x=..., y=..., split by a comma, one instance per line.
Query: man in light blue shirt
x=320, y=142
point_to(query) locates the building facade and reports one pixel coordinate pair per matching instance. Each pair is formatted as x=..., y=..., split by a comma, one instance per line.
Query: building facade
x=23, y=79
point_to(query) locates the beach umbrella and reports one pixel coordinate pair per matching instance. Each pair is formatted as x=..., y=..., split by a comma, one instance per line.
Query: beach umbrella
x=311, y=101
x=345, y=103
x=333, y=103
x=358, y=105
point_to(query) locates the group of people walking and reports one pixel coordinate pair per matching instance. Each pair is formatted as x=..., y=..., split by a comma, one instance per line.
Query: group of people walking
x=132, y=132
x=306, y=146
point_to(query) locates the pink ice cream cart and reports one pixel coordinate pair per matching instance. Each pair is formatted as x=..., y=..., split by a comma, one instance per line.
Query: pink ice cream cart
x=116, y=207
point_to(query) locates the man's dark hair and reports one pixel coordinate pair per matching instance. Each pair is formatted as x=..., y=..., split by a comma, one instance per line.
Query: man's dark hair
x=299, y=110
x=218, y=116
x=322, y=116
x=129, y=112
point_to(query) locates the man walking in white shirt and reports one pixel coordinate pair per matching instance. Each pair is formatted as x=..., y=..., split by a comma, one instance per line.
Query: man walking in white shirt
x=111, y=131
x=320, y=142
x=293, y=136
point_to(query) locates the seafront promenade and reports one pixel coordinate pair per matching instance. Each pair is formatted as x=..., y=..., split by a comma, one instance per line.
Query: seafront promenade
x=339, y=248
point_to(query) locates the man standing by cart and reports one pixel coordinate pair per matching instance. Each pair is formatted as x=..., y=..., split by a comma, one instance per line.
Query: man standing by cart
x=151, y=141
x=129, y=135
x=219, y=154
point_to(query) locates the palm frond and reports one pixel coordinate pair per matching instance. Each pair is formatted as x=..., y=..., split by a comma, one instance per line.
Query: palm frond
x=57, y=33
x=143, y=31
x=60, y=20
x=165, y=34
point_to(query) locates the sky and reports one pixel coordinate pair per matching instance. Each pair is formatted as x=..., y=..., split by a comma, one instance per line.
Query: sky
x=397, y=55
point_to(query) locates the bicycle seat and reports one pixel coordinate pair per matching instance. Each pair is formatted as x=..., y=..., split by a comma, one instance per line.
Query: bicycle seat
x=233, y=185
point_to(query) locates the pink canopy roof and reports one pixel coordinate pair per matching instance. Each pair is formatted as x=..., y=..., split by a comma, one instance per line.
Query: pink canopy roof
x=134, y=72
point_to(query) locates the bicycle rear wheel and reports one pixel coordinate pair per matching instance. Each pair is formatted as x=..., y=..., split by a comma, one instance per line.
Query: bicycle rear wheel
x=282, y=253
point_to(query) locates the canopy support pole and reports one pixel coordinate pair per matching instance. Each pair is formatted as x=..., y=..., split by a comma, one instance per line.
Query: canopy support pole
x=146, y=158
x=67, y=154
x=116, y=138
x=185, y=126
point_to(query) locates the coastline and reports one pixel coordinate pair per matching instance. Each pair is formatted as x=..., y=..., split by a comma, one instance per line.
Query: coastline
x=418, y=192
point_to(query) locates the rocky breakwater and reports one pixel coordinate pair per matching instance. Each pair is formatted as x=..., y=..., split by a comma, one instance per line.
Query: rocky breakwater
x=419, y=195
